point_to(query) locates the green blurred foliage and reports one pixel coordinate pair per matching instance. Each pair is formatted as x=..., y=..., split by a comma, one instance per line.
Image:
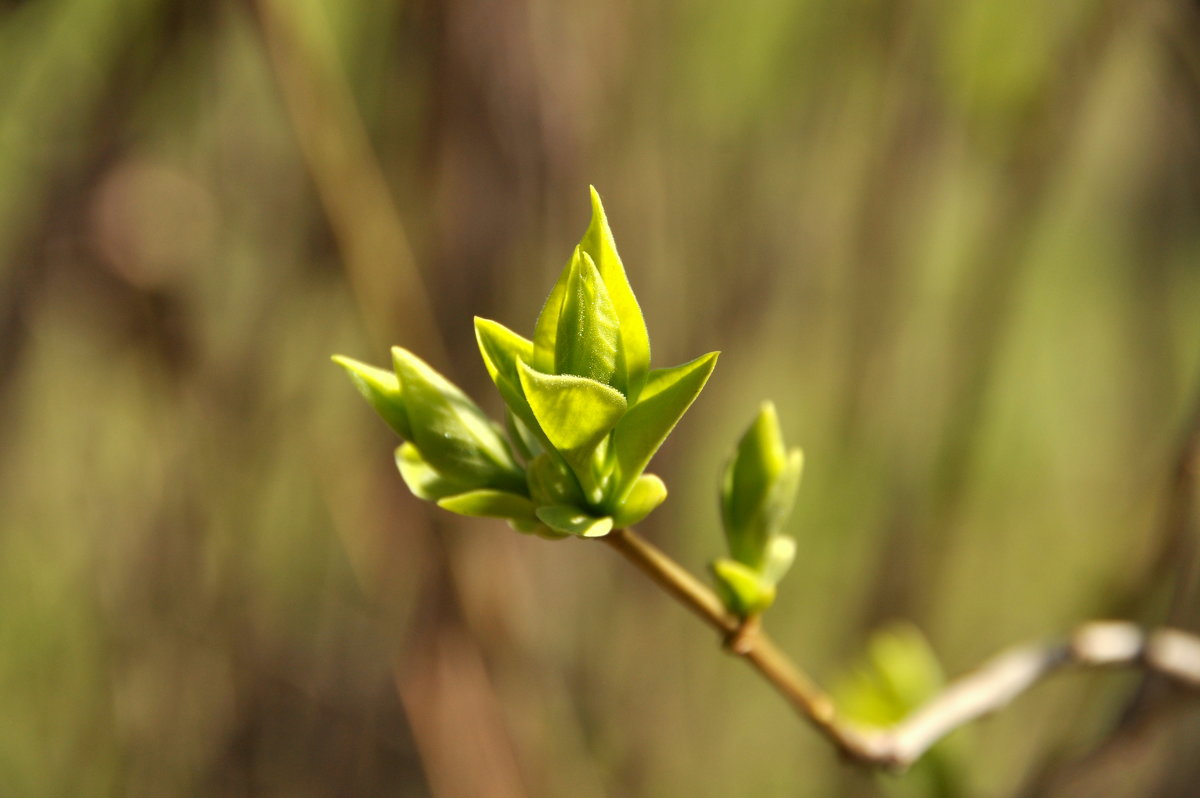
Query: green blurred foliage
x=956, y=243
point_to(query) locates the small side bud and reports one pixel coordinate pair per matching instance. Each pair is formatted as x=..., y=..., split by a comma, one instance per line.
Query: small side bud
x=757, y=494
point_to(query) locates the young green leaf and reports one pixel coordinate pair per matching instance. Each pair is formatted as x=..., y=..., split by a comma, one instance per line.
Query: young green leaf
x=502, y=349
x=423, y=479
x=598, y=242
x=451, y=432
x=575, y=413
x=545, y=330
x=647, y=493
x=382, y=390
x=667, y=396
x=552, y=482
x=588, y=334
x=571, y=521
x=492, y=504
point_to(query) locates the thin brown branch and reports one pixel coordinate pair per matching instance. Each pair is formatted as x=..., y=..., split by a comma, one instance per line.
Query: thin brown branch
x=1097, y=644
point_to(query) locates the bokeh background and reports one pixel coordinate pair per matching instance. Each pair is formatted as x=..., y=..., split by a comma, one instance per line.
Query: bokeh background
x=957, y=242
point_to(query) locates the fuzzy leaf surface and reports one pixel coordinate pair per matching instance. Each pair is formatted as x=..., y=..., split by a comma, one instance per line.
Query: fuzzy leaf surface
x=589, y=333
x=575, y=413
x=598, y=242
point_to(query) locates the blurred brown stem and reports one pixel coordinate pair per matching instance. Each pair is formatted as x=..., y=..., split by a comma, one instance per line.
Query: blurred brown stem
x=1097, y=644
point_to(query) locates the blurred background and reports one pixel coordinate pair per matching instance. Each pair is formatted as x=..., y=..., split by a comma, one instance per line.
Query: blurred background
x=958, y=243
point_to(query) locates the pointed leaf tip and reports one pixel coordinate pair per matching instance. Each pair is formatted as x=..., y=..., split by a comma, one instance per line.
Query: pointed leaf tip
x=634, y=354
x=382, y=390
x=667, y=396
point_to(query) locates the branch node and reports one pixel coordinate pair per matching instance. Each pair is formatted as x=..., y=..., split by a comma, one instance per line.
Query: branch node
x=741, y=640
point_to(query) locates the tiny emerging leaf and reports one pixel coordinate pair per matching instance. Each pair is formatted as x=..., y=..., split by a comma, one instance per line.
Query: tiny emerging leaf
x=742, y=589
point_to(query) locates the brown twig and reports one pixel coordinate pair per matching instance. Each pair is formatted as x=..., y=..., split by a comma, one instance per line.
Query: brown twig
x=1097, y=644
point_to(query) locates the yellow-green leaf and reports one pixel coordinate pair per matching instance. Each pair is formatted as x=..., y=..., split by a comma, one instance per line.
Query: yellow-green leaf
x=492, y=504
x=759, y=488
x=382, y=390
x=502, y=349
x=598, y=242
x=742, y=589
x=575, y=413
x=667, y=396
x=423, y=479
x=647, y=493
x=572, y=521
x=451, y=432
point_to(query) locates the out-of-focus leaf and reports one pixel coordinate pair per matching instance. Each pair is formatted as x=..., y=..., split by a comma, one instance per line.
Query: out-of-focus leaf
x=382, y=389
x=524, y=441
x=422, y=479
x=552, y=482
x=898, y=674
x=571, y=521
x=493, y=504
x=451, y=432
x=742, y=589
x=647, y=493
x=779, y=556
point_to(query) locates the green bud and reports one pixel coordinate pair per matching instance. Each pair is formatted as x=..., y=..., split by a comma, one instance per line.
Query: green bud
x=759, y=488
x=757, y=493
x=382, y=389
x=743, y=590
